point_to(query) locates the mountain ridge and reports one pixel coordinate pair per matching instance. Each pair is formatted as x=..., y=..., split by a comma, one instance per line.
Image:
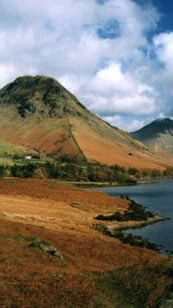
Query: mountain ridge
x=37, y=112
x=157, y=135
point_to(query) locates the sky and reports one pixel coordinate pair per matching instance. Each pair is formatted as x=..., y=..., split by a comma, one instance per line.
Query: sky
x=116, y=56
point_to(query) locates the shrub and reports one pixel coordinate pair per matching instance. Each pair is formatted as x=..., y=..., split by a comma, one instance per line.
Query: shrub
x=135, y=212
x=24, y=171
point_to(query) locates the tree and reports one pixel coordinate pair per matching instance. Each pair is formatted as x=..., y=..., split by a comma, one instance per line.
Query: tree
x=2, y=171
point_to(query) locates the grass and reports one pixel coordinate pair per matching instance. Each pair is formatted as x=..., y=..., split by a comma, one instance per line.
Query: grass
x=96, y=271
x=6, y=161
x=43, y=282
x=10, y=149
x=111, y=291
x=144, y=285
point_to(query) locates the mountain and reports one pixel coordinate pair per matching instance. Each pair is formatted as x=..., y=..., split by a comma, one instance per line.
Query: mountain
x=157, y=135
x=39, y=114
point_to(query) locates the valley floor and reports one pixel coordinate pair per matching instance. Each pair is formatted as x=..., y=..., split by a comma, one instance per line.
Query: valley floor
x=94, y=270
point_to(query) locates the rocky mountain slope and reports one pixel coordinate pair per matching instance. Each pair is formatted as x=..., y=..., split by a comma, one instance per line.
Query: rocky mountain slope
x=40, y=114
x=157, y=135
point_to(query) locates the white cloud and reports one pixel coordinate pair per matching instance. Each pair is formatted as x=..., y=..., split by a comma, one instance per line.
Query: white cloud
x=112, y=91
x=114, y=77
x=126, y=123
x=6, y=72
x=164, y=48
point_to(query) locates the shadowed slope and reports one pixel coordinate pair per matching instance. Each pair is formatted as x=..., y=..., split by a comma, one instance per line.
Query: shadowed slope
x=158, y=135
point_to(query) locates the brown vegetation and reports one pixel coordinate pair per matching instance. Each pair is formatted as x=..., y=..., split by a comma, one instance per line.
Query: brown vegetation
x=64, y=217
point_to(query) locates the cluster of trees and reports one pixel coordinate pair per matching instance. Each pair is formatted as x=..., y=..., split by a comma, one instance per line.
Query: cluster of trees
x=106, y=173
x=68, y=169
x=94, y=172
x=150, y=173
x=24, y=171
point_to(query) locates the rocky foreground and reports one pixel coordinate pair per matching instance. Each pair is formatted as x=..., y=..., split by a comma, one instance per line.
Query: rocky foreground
x=52, y=256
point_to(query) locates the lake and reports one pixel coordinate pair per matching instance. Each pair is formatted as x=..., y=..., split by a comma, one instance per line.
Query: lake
x=157, y=196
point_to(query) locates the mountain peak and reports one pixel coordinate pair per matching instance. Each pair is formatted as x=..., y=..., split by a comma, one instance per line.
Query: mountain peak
x=29, y=81
x=40, y=95
x=163, y=120
x=158, y=135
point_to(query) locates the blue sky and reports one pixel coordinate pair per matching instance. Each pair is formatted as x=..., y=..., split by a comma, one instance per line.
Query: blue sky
x=116, y=56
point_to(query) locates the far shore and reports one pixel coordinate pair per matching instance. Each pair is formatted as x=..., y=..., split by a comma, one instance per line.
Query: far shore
x=113, y=184
x=97, y=184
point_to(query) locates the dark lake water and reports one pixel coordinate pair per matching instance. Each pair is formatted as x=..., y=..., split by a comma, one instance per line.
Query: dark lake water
x=157, y=196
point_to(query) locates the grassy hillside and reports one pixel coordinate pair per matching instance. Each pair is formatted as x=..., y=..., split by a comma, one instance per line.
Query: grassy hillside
x=92, y=269
x=8, y=151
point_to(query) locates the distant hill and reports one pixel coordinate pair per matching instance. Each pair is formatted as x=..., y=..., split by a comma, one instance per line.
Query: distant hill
x=39, y=114
x=157, y=135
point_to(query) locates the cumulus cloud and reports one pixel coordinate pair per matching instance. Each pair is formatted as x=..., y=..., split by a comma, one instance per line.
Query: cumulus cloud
x=127, y=123
x=112, y=91
x=100, y=50
x=164, y=49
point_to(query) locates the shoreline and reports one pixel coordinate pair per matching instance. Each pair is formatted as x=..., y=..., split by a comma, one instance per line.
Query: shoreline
x=116, y=230
x=113, y=184
x=135, y=217
x=96, y=184
x=122, y=226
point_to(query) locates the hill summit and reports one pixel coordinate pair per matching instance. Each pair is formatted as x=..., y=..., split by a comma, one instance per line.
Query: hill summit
x=158, y=135
x=42, y=96
x=38, y=113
